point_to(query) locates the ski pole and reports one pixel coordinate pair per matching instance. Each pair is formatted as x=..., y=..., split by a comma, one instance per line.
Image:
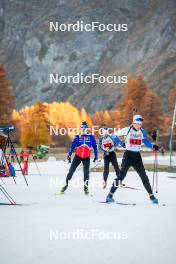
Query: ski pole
x=134, y=111
x=18, y=160
x=37, y=167
x=8, y=164
x=9, y=142
x=35, y=163
x=155, y=170
x=2, y=181
x=4, y=190
x=3, y=157
x=7, y=195
x=153, y=181
x=157, y=162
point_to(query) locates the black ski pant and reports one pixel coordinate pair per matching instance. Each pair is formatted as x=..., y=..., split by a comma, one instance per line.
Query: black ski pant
x=75, y=163
x=132, y=159
x=110, y=158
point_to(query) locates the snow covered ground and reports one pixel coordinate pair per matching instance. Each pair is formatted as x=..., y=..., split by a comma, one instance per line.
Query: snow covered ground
x=74, y=228
x=162, y=160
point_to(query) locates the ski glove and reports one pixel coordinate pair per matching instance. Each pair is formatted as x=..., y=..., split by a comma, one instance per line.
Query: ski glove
x=155, y=147
x=105, y=153
x=69, y=159
x=123, y=145
x=94, y=159
x=155, y=135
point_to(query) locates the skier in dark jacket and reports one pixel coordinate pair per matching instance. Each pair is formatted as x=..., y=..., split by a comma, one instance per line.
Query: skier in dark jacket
x=107, y=144
x=134, y=135
x=81, y=145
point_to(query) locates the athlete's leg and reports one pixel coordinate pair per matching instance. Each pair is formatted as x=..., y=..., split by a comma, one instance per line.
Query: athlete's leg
x=139, y=167
x=126, y=163
x=86, y=167
x=113, y=159
x=75, y=163
x=106, y=168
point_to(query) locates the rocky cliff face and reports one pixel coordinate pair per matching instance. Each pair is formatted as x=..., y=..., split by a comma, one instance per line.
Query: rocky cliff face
x=31, y=52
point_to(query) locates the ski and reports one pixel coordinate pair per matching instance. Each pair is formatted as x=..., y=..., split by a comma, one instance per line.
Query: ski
x=132, y=204
x=159, y=205
x=10, y=204
x=59, y=193
x=17, y=204
x=88, y=194
x=129, y=187
x=7, y=195
x=119, y=203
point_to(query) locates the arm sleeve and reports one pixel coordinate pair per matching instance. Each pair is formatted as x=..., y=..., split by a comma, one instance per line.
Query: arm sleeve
x=122, y=132
x=99, y=145
x=116, y=140
x=73, y=145
x=145, y=140
x=94, y=145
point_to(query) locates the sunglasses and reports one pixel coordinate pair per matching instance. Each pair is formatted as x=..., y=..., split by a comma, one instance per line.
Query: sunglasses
x=84, y=127
x=139, y=119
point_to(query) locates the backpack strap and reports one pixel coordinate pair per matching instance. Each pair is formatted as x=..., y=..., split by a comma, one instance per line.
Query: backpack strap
x=144, y=133
x=128, y=131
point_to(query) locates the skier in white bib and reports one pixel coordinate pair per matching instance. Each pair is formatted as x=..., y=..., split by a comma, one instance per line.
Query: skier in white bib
x=107, y=144
x=134, y=135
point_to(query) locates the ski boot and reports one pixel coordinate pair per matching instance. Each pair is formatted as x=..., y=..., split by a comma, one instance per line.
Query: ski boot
x=86, y=190
x=153, y=199
x=122, y=185
x=110, y=199
x=62, y=190
x=104, y=185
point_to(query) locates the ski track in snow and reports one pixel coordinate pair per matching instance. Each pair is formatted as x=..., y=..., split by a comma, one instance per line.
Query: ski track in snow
x=25, y=230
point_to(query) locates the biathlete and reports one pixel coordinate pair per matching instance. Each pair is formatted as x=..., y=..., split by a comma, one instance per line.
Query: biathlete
x=107, y=144
x=135, y=135
x=81, y=144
